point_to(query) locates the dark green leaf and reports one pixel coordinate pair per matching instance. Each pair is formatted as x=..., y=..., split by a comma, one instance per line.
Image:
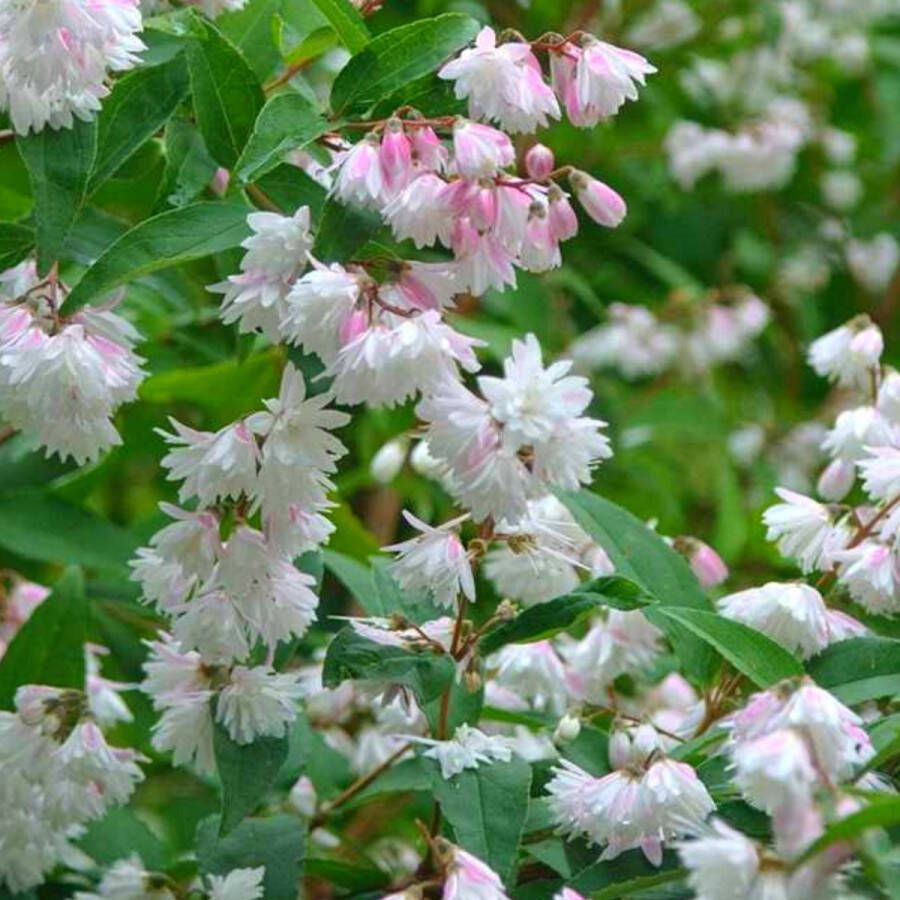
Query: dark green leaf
x=859, y=669
x=16, y=242
x=39, y=526
x=346, y=21
x=762, y=660
x=139, y=105
x=343, y=230
x=169, y=239
x=49, y=647
x=227, y=94
x=278, y=843
x=625, y=869
x=59, y=164
x=397, y=57
x=487, y=807
x=640, y=554
x=247, y=772
x=355, y=576
x=351, y=656
x=251, y=30
x=287, y=122
x=189, y=167
x=119, y=834
x=543, y=620
x=23, y=466
x=289, y=187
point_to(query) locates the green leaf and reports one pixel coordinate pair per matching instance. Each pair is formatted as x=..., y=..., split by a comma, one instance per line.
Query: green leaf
x=39, y=526
x=351, y=656
x=762, y=660
x=251, y=30
x=227, y=94
x=881, y=812
x=119, y=834
x=287, y=122
x=246, y=771
x=640, y=554
x=139, y=105
x=59, y=164
x=543, y=620
x=16, y=242
x=355, y=576
x=49, y=647
x=21, y=465
x=346, y=21
x=189, y=167
x=859, y=669
x=169, y=239
x=487, y=808
x=629, y=868
x=397, y=57
x=278, y=843
x=343, y=230
x=289, y=187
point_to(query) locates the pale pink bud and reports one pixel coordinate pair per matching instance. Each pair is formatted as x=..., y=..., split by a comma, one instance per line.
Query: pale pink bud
x=619, y=749
x=567, y=729
x=867, y=345
x=353, y=326
x=599, y=200
x=563, y=221
x=539, y=162
x=219, y=183
x=707, y=565
x=480, y=150
x=388, y=461
x=395, y=155
x=837, y=479
x=427, y=149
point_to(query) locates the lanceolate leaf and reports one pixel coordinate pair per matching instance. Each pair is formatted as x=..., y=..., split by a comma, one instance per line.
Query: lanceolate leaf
x=762, y=660
x=351, y=656
x=343, y=230
x=59, y=164
x=227, y=94
x=169, y=239
x=397, y=57
x=247, y=772
x=287, y=122
x=543, y=620
x=49, y=647
x=643, y=556
x=859, y=669
x=346, y=21
x=138, y=106
x=16, y=242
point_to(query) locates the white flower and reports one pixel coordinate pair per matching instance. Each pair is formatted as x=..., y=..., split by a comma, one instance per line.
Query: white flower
x=503, y=83
x=774, y=770
x=467, y=749
x=238, y=884
x=792, y=614
x=856, y=429
x=419, y=212
x=127, y=879
x=479, y=150
x=849, y=354
x=276, y=254
x=667, y=24
x=213, y=465
x=361, y=179
x=881, y=473
x=534, y=672
x=869, y=571
x=800, y=526
x=435, y=561
x=316, y=307
x=258, y=702
x=55, y=56
x=873, y=262
x=468, y=878
x=722, y=863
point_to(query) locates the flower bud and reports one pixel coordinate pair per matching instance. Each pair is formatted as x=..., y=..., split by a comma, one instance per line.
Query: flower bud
x=423, y=462
x=302, y=797
x=837, y=479
x=539, y=161
x=619, y=749
x=388, y=461
x=707, y=565
x=567, y=729
x=644, y=742
x=599, y=200
x=867, y=346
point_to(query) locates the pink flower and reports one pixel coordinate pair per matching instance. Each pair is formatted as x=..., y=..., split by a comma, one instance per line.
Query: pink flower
x=599, y=200
x=468, y=878
x=395, y=156
x=480, y=150
x=539, y=161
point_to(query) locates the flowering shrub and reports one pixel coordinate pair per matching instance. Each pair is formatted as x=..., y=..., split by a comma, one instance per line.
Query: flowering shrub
x=413, y=483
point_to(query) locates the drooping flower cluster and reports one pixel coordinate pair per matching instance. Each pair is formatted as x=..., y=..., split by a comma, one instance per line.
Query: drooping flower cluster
x=55, y=56
x=688, y=337
x=63, y=378
x=58, y=774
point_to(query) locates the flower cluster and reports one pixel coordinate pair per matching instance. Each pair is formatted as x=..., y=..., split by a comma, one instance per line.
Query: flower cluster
x=55, y=56
x=59, y=773
x=63, y=378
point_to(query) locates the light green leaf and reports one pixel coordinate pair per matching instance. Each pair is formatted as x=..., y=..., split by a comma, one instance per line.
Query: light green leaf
x=247, y=772
x=762, y=660
x=119, y=834
x=859, y=669
x=169, y=239
x=250, y=30
x=543, y=620
x=59, y=164
x=278, y=843
x=139, y=104
x=16, y=242
x=397, y=57
x=49, y=647
x=287, y=122
x=881, y=812
x=346, y=21
x=487, y=808
x=227, y=94
x=640, y=554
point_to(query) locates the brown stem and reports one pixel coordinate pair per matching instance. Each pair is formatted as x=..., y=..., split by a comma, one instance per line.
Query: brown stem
x=6, y=432
x=286, y=75
x=261, y=198
x=7, y=134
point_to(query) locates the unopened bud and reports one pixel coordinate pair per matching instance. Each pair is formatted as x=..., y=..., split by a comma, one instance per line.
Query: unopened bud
x=388, y=461
x=302, y=797
x=599, y=200
x=506, y=610
x=567, y=729
x=539, y=161
x=837, y=479
x=619, y=749
x=644, y=742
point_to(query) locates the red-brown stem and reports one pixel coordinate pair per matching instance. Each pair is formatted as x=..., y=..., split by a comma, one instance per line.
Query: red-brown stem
x=263, y=199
